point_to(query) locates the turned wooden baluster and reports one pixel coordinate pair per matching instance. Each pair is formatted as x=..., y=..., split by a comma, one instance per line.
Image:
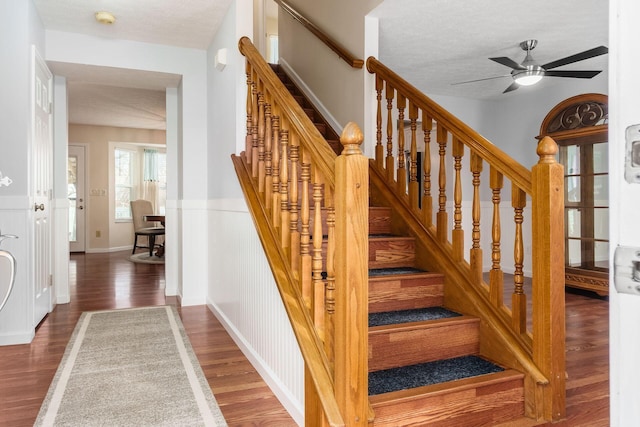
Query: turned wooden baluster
x=475, y=257
x=275, y=186
x=427, y=200
x=316, y=266
x=379, y=147
x=457, y=235
x=268, y=156
x=294, y=233
x=519, y=299
x=496, y=276
x=402, y=168
x=254, y=131
x=330, y=299
x=284, y=190
x=261, y=138
x=441, y=216
x=414, y=187
x=305, y=240
x=390, y=164
x=249, y=137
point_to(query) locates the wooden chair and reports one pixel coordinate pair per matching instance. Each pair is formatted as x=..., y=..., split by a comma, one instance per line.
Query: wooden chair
x=140, y=208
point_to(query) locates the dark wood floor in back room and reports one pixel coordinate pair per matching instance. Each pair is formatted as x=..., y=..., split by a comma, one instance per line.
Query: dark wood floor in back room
x=106, y=281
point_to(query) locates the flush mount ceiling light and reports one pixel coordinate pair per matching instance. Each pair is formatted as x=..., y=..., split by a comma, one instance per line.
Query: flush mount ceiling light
x=106, y=18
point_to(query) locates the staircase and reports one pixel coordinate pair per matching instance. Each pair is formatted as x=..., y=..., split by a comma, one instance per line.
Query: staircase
x=424, y=362
x=395, y=318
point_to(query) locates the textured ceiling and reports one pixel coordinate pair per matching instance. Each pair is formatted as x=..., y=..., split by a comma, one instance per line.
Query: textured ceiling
x=431, y=43
x=128, y=98
x=434, y=43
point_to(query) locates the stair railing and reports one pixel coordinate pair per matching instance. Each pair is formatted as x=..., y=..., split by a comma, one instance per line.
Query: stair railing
x=341, y=51
x=427, y=193
x=311, y=212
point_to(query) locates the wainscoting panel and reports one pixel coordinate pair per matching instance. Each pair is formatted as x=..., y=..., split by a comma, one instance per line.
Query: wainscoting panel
x=244, y=297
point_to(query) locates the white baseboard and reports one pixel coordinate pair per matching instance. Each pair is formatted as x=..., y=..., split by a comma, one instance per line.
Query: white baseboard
x=283, y=395
x=14, y=339
x=108, y=250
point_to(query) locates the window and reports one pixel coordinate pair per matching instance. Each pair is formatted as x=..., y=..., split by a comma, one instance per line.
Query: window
x=154, y=172
x=272, y=48
x=124, y=183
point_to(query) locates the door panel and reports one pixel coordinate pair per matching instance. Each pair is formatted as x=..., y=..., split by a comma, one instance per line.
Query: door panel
x=42, y=160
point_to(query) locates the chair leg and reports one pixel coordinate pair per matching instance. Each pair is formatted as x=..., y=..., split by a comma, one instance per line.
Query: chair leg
x=152, y=243
x=135, y=244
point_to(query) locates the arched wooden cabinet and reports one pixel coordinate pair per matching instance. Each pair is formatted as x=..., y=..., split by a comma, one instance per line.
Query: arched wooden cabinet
x=580, y=127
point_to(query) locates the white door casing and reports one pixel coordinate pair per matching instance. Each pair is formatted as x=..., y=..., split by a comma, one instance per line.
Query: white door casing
x=77, y=206
x=41, y=185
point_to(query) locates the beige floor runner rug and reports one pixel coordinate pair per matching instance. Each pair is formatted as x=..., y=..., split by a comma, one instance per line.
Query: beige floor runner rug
x=131, y=367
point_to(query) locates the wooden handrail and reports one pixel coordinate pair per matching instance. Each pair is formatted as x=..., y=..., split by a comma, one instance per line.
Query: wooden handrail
x=479, y=144
x=310, y=347
x=309, y=135
x=342, y=52
x=292, y=179
x=538, y=351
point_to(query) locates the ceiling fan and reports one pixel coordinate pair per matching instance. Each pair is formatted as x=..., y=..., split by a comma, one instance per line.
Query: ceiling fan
x=529, y=72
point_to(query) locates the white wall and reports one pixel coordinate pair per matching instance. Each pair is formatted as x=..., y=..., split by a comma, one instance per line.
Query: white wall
x=21, y=30
x=241, y=290
x=326, y=75
x=187, y=204
x=624, y=108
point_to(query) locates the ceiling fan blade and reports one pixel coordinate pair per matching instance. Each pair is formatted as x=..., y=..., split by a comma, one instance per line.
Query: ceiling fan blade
x=591, y=53
x=574, y=74
x=511, y=87
x=480, y=80
x=508, y=62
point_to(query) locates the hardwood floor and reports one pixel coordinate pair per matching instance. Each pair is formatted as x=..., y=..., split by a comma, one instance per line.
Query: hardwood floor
x=105, y=281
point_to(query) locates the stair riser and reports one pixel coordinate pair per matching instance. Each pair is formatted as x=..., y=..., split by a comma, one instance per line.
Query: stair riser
x=391, y=252
x=392, y=294
x=395, y=347
x=485, y=405
x=379, y=220
x=383, y=253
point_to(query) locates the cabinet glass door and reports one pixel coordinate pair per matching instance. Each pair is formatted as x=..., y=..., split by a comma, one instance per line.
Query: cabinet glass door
x=586, y=205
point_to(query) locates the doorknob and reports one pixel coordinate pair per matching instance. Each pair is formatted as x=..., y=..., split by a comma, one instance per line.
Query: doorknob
x=39, y=207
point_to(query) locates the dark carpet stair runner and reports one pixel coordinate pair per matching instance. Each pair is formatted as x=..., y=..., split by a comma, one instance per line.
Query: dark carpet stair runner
x=424, y=362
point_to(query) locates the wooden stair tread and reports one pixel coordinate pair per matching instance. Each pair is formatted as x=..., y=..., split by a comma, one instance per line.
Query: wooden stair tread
x=448, y=386
x=429, y=323
x=412, y=316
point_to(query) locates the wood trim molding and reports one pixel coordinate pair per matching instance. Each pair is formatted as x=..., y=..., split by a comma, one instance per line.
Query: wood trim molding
x=342, y=52
x=577, y=117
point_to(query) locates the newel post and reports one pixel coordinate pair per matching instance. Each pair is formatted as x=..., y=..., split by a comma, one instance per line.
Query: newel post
x=351, y=267
x=548, y=277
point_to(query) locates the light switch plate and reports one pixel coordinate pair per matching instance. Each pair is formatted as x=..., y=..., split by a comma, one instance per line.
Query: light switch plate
x=626, y=270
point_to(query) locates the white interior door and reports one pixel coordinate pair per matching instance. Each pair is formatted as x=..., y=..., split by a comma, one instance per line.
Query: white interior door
x=77, y=198
x=41, y=176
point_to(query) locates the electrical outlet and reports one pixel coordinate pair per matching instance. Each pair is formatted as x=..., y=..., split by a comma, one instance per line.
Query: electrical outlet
x=98, y=233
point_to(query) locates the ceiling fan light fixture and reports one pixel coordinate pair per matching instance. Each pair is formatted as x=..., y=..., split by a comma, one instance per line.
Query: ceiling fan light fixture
x=528, y=77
